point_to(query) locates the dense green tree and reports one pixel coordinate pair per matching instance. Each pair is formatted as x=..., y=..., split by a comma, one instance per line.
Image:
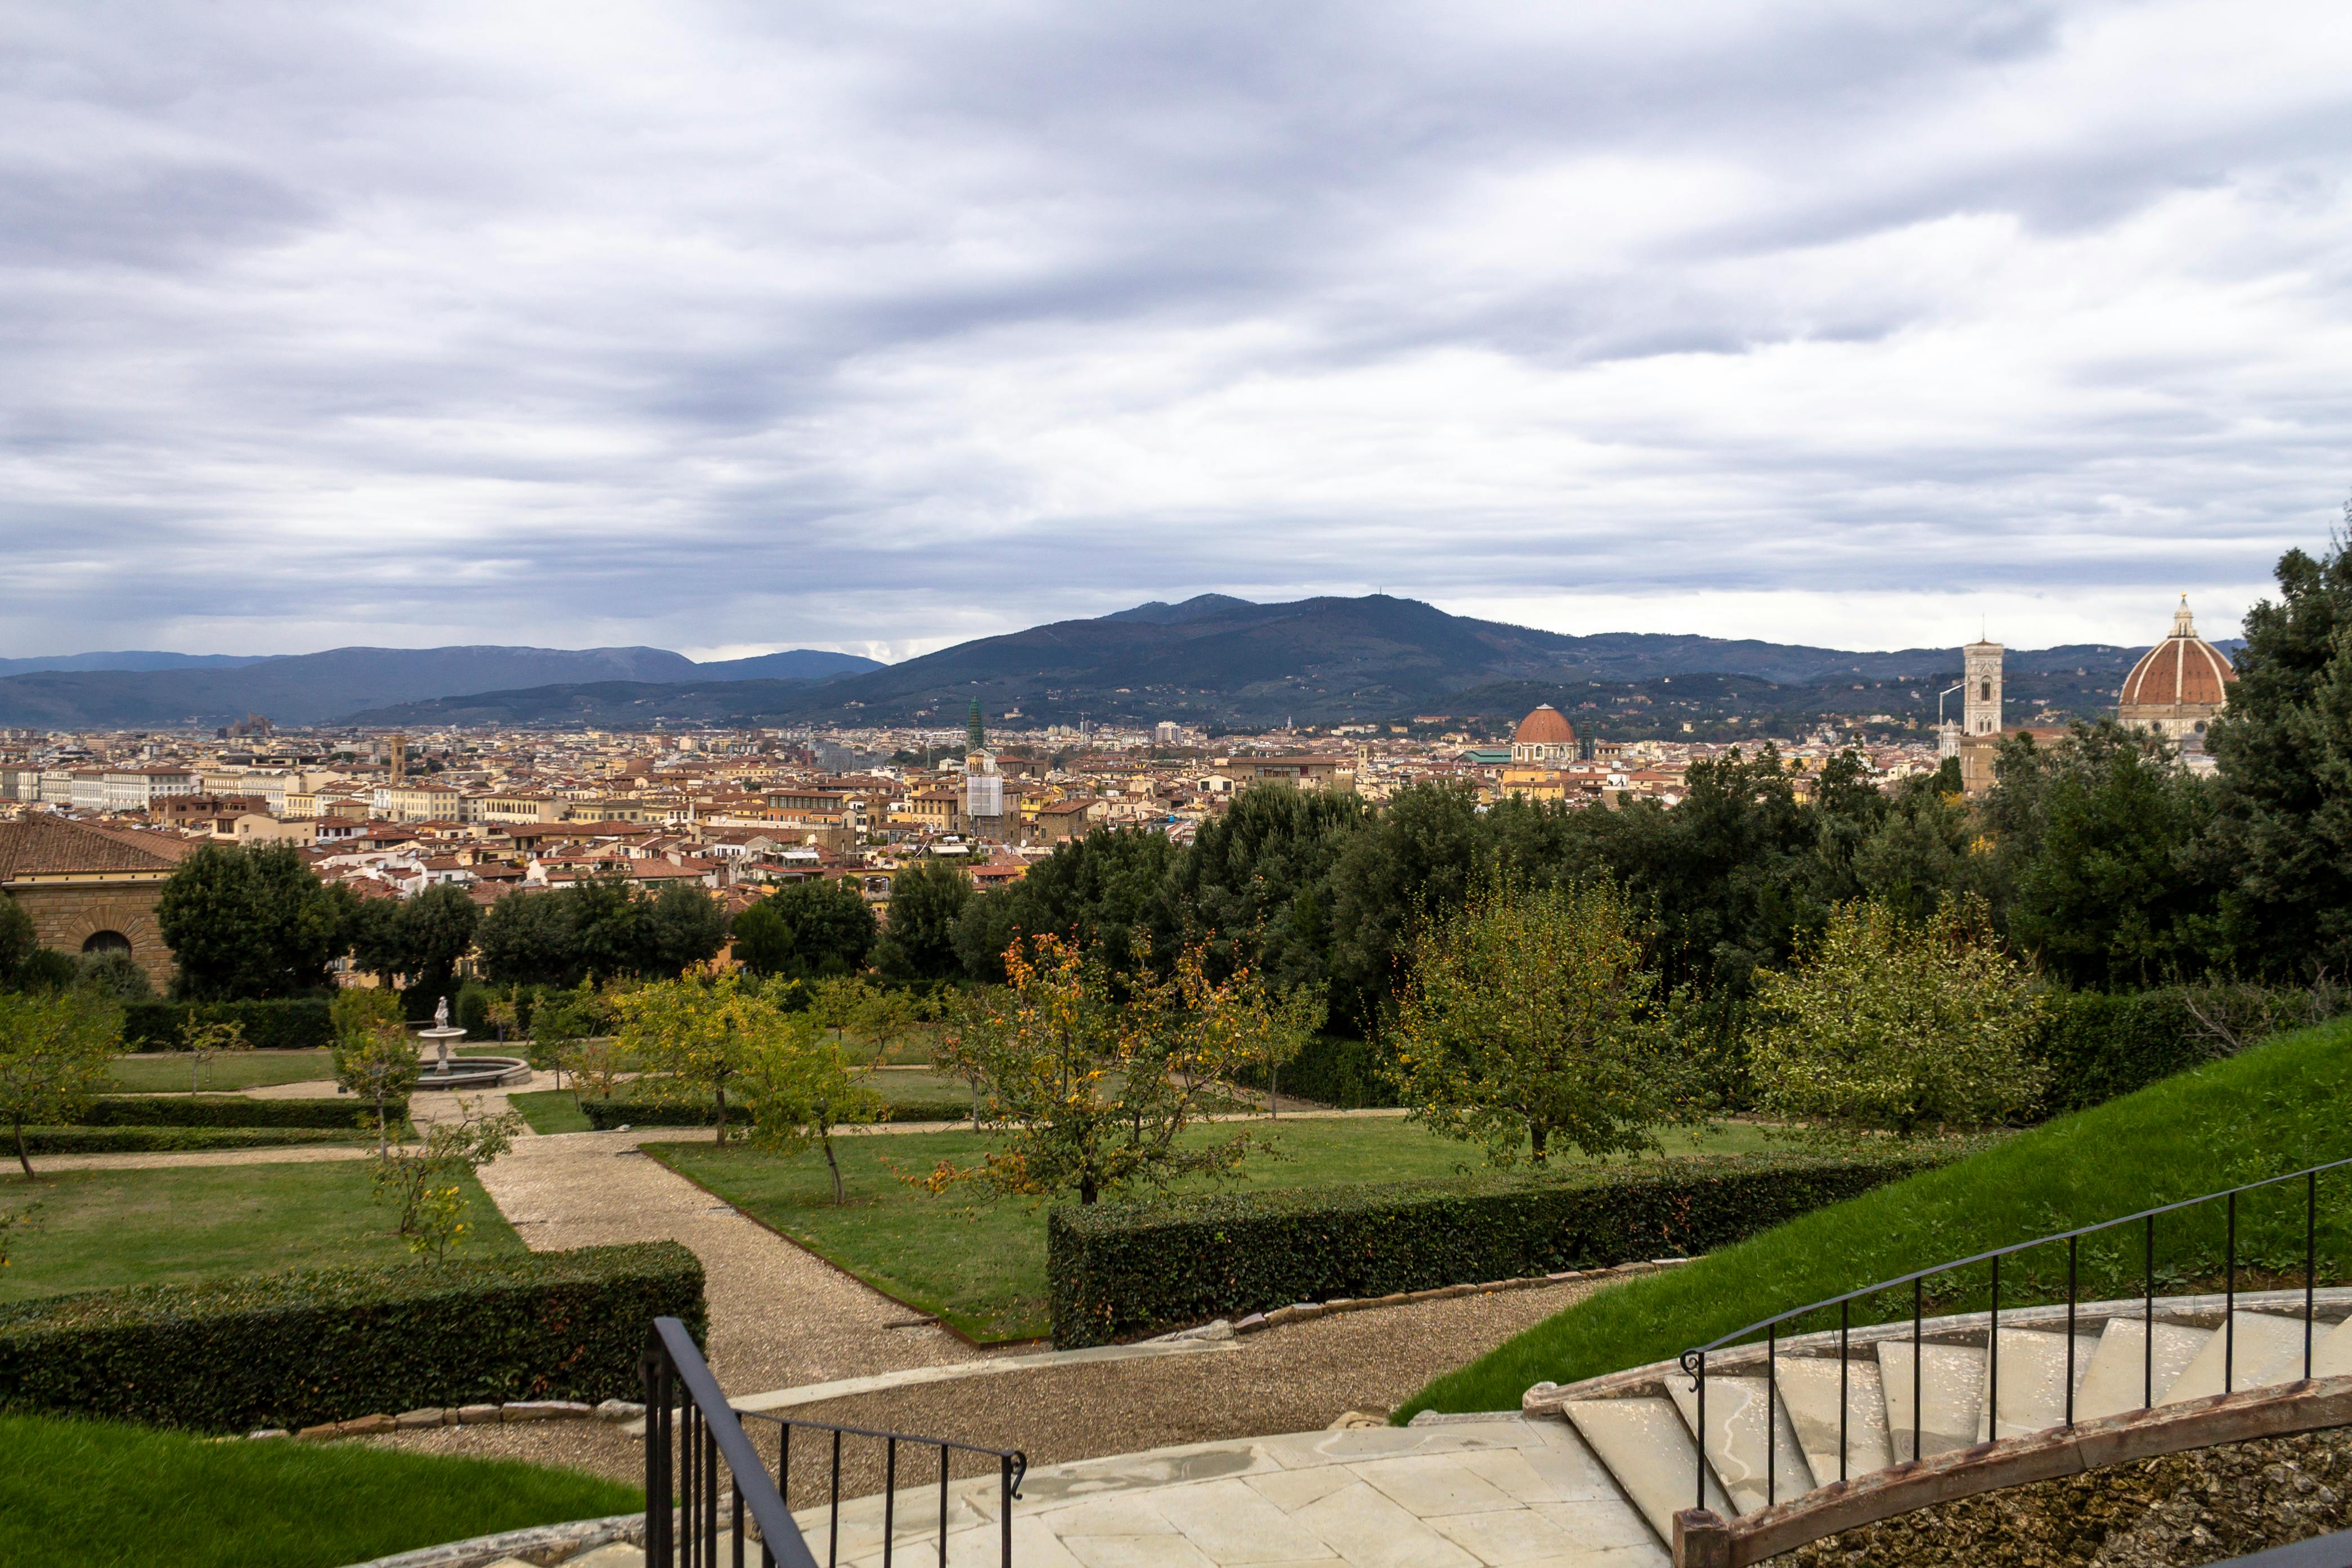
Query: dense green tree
x=2284, y=747
x=607, y=926
x=437, y=929
x=54, y=1049
x=806, y=930
x=1106, y=891
x=17, y=940
x=683, y=926
x=1253, y=886
x=1918, y=854
x=252, y=922
x=115, y=976
x=2121, y=891
x=531, y=939
x=927, y=900
x=1413, y=862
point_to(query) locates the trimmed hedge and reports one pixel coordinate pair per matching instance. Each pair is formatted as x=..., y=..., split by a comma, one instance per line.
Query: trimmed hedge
x=341, y=1111
x=295, y=1023
x=327, y=1344
x=2100, y=1046
x=630, y=1111
x=1330, y=1070
x=174, y=1140
x=1119, y=1271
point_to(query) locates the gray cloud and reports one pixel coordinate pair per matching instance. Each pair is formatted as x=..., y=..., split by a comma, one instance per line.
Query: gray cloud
x=726, y=326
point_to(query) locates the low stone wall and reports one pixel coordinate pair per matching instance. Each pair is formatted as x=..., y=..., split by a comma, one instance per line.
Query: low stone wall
x=2174, y=1511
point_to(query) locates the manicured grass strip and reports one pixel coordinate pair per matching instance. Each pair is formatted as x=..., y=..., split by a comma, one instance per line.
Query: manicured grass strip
x=98, y=1229
x=90, y=1494
x=2274, y=1109
x=157, y=1073
x=980, y=1263
x=550, y=1111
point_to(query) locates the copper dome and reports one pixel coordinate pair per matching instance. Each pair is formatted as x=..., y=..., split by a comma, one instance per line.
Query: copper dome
x=2182, y=669
x=1544, y=726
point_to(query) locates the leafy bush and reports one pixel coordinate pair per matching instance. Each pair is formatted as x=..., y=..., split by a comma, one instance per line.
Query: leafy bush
x=1119, y=1271
x=293, y=1023
x=176, y=1140
x=1330, y=1070
x=326, y=1344
x=226, y=1111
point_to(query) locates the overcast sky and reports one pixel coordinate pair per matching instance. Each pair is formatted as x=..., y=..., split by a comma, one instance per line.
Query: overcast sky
x=731, y=328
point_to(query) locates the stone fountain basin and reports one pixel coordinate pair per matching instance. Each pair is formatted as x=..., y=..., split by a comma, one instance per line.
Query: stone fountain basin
x=474, y=1072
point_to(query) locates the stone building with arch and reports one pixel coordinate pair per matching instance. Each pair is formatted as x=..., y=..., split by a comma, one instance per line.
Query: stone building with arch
x=91, y=889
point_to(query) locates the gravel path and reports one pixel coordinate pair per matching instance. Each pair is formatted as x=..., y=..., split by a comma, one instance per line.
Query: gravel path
x=779, y=1315
x=1298, y=1377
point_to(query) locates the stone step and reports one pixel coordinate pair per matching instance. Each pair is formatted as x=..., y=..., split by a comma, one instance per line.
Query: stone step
x=2122, y=1371
x=1951, y=1393
x=2267, y=1350
x=1647, y=1448
x=1808, y=1392
x=2331, y=1354
x=1737, y=1408
x=2033, y=1383
x=613, y=1555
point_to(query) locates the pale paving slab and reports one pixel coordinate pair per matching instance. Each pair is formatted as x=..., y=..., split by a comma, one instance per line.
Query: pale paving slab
x=1508, y=1493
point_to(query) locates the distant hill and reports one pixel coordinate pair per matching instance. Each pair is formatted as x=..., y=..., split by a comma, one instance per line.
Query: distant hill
x=313, y=688
x=1224, y=660
x=798, y=665
x=129, y=661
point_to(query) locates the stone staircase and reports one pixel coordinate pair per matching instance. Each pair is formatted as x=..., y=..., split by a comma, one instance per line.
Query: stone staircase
x=1776, y=1440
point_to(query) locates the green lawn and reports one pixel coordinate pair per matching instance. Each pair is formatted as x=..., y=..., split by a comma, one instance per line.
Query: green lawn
x=550, y=1111
x=98, y=1229
x=2277, y=1108
x=159, y=1072
x=981, y=1264
x=88, y=1494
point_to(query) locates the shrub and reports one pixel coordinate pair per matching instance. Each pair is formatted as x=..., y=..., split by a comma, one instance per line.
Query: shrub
x=327, y=1344
x=338, y=1113
x=176, y=1140
x=295, y=1023
x=1119, y=1271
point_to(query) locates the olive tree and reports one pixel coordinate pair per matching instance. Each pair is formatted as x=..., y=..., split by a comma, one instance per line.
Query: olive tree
x=1892, y=1025
x=56, y=1054
x=1530, y=1017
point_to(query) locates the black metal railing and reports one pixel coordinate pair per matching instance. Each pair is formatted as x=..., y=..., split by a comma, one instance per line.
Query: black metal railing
x=1694, y=1360
x=692, y=1433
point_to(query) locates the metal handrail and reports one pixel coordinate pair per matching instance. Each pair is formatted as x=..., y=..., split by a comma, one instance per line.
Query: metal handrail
x=715, y=1434
x=671, y=1356
x=1694, y=1361
x=1012, y=1468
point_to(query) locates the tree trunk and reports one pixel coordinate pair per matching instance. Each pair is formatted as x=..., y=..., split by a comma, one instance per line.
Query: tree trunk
x=840, y=1192
x=1086, y=1189
x=975, y=1105
x=1273, y=1089
x=22, y=1158
x=722, y=1112
x=1537, y=1134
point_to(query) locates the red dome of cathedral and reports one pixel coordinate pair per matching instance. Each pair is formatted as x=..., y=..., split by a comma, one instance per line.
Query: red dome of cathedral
x=2183, y=668
x=1544, y=726
x=2179, y=684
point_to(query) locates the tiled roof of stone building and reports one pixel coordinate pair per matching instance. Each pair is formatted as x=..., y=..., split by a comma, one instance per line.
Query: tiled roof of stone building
x=43, y=844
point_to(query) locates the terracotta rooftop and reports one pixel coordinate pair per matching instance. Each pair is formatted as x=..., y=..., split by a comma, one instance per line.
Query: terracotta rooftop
x=44, y=845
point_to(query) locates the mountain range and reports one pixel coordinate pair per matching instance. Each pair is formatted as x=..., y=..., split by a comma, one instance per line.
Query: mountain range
x=75, y=693
x=1213, y=660
x=1217, y=660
